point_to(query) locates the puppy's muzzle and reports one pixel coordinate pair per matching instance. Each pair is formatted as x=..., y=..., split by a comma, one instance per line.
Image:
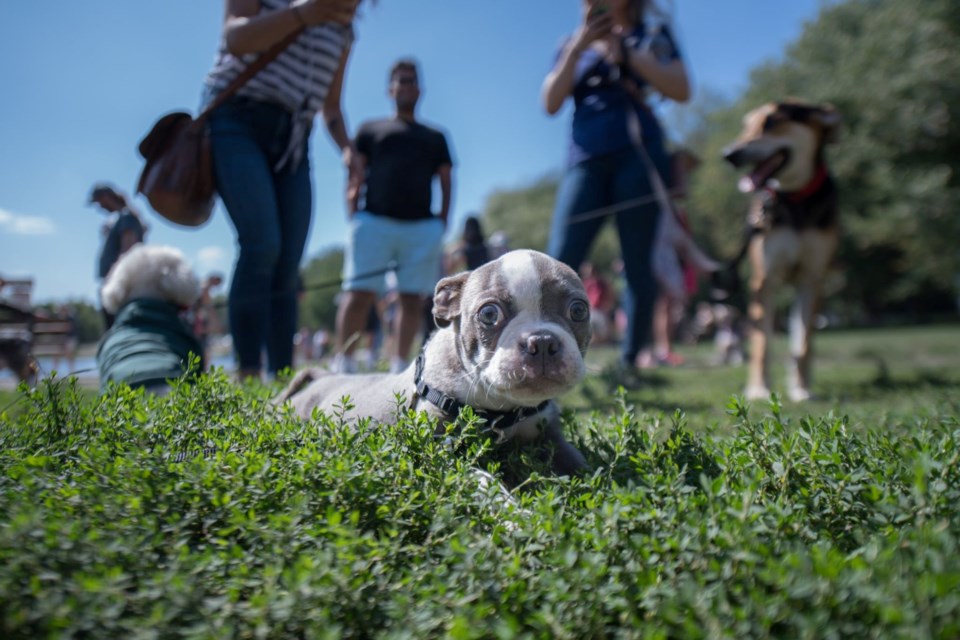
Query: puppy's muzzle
x=541, y=350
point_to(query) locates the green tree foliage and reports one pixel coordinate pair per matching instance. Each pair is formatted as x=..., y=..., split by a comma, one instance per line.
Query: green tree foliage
x=525, y=215
x=321, y=282
x=891, y=69
x=88, y=318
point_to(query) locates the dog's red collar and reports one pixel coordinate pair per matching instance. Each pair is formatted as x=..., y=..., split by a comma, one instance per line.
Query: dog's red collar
x=819, y=177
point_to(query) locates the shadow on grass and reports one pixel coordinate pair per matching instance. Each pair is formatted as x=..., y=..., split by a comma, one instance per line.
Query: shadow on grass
x=884, y=384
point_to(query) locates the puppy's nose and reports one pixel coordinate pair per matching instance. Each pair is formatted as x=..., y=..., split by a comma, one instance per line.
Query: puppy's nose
x=543, y=344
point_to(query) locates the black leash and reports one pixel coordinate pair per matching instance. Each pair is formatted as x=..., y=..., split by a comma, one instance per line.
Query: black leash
x=324, y=284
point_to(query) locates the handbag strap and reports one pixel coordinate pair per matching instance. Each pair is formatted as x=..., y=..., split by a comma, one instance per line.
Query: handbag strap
x=244, y=76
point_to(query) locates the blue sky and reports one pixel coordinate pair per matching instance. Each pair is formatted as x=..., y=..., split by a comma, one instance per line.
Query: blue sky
x=83, y=81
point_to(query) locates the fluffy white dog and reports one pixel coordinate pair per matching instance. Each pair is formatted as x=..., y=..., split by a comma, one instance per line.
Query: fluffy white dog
x=149, y=343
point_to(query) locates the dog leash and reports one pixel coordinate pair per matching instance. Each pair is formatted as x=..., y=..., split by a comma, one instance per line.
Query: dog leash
x=324, y=284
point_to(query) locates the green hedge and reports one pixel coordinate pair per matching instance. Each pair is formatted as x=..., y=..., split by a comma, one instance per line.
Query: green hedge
x=115, y=523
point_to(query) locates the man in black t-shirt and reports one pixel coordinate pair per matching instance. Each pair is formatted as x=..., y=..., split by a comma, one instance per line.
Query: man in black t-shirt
x=392, y=226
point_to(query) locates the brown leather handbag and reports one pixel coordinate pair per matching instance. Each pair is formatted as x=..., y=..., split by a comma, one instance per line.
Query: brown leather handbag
x=177, y=178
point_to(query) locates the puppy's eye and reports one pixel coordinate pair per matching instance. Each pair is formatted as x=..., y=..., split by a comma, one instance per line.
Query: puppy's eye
x=579, y=311
x=489, y=314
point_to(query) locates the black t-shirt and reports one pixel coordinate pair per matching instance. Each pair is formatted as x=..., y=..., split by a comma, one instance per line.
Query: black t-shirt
x=402, y=158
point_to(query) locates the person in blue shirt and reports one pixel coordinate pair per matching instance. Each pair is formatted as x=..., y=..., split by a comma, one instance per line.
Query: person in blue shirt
x=616, y=58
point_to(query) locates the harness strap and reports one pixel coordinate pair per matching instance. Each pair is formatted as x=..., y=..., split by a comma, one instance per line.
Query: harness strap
x=495, y=420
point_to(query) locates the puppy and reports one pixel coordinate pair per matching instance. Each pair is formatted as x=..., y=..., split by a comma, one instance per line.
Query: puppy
x=511, y=337
x=149, y=343
x=794, y=228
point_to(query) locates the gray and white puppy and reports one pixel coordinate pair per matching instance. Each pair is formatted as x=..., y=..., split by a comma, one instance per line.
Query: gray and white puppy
x=511, y=337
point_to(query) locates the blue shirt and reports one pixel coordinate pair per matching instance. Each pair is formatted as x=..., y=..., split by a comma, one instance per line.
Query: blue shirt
x=601, y=102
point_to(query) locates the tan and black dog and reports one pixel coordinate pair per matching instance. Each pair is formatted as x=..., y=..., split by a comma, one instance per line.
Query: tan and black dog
x=795, y=231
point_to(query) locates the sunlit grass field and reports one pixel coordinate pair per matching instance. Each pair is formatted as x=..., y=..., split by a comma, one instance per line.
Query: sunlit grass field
x=878, y=377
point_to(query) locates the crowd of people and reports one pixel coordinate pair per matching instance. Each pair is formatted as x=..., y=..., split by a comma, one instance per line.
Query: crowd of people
x=618, y=56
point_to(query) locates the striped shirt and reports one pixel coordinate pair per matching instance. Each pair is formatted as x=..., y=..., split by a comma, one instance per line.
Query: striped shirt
x=298, y=79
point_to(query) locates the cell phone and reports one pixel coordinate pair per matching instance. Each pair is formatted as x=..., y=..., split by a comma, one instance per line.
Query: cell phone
x=598, y=10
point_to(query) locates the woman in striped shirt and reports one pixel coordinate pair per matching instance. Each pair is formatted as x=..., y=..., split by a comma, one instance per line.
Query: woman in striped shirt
x=259, y=140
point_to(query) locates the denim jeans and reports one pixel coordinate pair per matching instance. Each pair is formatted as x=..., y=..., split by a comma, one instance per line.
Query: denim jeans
x=601, y=182
x=270, y=211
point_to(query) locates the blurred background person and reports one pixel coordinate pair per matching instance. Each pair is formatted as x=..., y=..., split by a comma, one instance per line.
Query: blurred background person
x=607, y=67
x=471, y=251
x=677, y=264
x=393, y=228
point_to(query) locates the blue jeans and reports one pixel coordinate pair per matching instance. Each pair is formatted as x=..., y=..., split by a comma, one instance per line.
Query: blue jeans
x=270, y=211
x=600, y=182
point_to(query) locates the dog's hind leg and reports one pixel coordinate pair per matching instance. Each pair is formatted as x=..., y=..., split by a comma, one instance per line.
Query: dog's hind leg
x=301, y=380
x=817, y=250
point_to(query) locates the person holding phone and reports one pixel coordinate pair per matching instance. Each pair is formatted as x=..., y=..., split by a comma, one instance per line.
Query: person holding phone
x=615, y=58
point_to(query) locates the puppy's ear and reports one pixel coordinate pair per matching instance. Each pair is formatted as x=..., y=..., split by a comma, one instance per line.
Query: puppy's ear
x=446, y=299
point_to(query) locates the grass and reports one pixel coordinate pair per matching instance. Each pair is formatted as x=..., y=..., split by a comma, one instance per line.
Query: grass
x=878, y=377
x=211, y=514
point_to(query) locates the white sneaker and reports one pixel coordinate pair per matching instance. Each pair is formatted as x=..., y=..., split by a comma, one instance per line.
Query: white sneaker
x=398, y=364
x=343, y=363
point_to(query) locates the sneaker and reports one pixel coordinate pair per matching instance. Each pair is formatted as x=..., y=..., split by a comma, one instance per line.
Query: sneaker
x=670, y=359
x=398, y=364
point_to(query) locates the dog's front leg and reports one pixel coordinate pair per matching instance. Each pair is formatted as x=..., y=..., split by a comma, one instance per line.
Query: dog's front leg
x=760, y=312
x=566, y=459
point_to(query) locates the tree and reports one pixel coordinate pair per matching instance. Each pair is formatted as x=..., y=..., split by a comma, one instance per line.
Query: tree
x=88, y=318
x=525, y=215
x=321, y=283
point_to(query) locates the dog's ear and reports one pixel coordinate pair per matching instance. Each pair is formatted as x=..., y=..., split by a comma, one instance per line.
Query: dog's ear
x=829, y=120
x=446, y=299
x=179, y=284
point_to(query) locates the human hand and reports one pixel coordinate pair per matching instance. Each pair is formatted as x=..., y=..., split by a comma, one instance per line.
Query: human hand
x=615, y=45
x=314, y=12
x=597, y=24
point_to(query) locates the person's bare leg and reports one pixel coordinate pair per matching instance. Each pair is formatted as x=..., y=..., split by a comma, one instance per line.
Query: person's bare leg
x=408, y=325
x=661, y=326
x=351, y=324
x=352, y=319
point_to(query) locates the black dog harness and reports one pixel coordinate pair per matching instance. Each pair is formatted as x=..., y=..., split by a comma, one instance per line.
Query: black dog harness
x=496, y=421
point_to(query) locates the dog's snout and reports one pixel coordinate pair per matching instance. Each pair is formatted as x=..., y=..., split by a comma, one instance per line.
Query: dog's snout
x=541, y=344
x=734, y=155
